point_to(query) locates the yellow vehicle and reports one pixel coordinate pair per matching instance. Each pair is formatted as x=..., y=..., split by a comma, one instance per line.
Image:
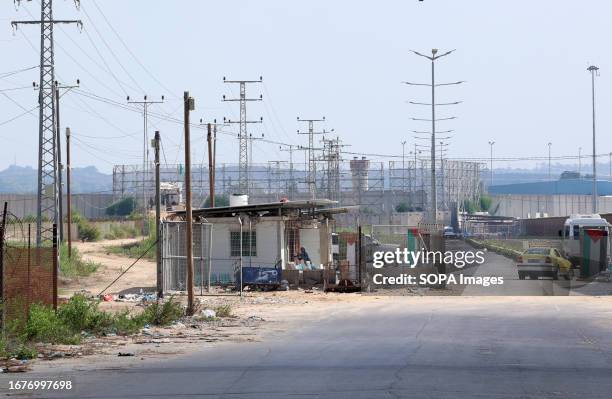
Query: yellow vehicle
x=543, y=262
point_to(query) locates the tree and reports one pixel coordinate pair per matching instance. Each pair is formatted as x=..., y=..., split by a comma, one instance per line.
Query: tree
x=485, y=202
x=123, y=207
x=220, y=200
x=402, y=207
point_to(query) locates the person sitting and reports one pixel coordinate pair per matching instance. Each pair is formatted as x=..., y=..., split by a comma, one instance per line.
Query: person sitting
x=304, y=254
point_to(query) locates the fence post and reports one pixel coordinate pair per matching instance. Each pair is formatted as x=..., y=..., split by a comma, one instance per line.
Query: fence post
x=2, y=229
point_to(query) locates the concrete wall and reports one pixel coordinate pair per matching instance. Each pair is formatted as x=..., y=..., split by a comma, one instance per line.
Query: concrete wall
x=270, y=237
x=92, y=206
x=526, y=206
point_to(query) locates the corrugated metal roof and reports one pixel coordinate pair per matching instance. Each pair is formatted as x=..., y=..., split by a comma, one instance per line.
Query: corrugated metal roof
x=309, y=205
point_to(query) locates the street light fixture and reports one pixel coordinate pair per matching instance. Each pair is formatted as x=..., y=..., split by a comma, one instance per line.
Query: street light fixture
x=434, y=56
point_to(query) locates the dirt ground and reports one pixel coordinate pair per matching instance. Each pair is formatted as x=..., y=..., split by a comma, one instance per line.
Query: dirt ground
x=140, y=276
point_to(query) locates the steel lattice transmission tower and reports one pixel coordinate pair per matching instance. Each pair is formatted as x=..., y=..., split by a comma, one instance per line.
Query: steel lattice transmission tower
x=311, y=179
x=48, y=170
x=332, y=155
x=243, y=137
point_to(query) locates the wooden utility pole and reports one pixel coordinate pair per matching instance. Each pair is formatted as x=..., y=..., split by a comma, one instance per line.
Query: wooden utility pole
x=189, y=105
x=211, y=165
x=68, y=197
x=158, y=257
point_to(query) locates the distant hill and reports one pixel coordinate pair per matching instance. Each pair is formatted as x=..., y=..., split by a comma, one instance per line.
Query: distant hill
x=23, y=179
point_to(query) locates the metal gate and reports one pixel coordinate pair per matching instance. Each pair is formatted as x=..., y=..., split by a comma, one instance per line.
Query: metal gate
x=174, y=259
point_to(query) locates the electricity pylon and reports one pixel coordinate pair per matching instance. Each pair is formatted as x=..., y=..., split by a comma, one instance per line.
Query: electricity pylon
x=311, y=179
x=48, y=189
x=243, y=137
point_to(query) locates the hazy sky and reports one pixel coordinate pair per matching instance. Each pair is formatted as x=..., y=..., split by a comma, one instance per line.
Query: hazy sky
x=524, y=62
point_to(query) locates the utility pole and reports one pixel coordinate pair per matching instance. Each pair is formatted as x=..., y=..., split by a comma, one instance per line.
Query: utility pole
x=594, y=71
x=610, y=165
x=211, y=167
x=158, y=257
x=434, y=56
x=549, y=156
x=416, y=153
x=580, y=162
x=243, y=150
x=291, y=187
x=211, y=139
x=58, y=129
x=189, y=105
x=331, y=155
x=145, y=154
x=47, y=187
x=491, y=144
x=68, y=193
x=277, y=172
x=442, y=175
x=404, y=166
x=252, y=139
x=312, y=163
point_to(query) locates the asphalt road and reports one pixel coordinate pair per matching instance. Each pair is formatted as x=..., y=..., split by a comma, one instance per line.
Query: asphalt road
x=412, y=347
x=496, y=265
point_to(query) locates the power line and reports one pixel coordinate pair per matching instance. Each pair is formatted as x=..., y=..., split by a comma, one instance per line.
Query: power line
x=95, y=3
x=11, y=73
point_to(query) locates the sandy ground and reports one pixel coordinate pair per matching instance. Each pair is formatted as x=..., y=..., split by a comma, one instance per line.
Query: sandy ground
x=140, y=276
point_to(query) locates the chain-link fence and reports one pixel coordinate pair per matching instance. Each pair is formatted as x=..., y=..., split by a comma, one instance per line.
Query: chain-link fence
x=174, y=259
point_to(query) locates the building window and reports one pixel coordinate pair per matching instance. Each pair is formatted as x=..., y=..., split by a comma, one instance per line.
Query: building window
x=249, y=243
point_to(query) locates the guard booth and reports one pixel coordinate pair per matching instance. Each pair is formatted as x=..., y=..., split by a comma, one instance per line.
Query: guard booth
x=594, y=250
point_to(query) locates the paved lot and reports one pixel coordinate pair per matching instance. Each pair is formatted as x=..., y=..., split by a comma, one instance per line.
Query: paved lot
x=416, y=347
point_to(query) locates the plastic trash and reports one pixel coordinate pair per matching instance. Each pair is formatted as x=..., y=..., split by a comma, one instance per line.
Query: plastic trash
x=209, y=313
x=125, y=354
x=107, y=297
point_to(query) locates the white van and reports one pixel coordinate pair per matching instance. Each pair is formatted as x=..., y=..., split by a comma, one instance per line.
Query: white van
x=571, y=233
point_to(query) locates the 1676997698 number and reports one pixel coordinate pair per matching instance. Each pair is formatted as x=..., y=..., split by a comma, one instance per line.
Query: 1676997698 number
x=34, y=385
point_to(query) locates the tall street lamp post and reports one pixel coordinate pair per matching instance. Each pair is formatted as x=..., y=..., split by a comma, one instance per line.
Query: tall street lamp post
x=594, y=71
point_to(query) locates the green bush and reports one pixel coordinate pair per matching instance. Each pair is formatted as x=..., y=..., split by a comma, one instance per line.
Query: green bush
x=137, y=249
x=118, y=231
x=44, y=325
x=123, y=207
x=79, y=315
x=86, y=230
x=75, y=266
x=24, y=352
x=402, y=207
x=485, y=202
x=162, y=314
